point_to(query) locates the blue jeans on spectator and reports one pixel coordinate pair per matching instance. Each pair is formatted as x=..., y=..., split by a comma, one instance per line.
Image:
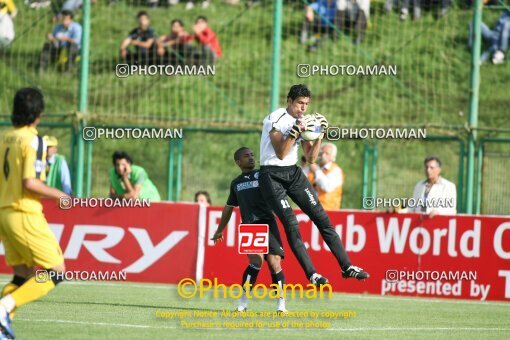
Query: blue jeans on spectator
x=498, y=38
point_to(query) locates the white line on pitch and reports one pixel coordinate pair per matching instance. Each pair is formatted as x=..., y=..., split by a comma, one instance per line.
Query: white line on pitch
x=383, y=329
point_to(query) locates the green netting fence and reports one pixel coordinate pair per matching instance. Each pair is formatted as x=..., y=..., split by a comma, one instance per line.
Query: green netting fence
x=430, y=90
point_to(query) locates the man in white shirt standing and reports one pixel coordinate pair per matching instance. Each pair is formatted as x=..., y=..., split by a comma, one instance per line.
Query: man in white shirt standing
x=438, y=194
x=280, y=178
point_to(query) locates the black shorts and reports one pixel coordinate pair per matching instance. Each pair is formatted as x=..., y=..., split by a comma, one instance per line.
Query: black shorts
x=275, y=241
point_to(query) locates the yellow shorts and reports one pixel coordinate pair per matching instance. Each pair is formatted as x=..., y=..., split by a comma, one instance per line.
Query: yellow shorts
x=28, y=240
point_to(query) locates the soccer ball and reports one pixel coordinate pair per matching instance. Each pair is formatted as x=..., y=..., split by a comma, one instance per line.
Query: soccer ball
x=315, y=132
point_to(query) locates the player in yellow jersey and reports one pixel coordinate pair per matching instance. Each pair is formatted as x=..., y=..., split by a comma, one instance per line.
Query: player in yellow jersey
x=26, y=236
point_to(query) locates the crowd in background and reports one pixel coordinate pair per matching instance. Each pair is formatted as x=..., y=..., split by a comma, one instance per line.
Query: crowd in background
x=323, y=19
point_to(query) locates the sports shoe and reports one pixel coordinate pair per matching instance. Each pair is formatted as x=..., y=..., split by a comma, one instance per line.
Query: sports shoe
x=355, y=272
x=318, y=280
x=243, y=303
x=498, y=58
x=404, y=13
x=280, y=306
x=5, y=324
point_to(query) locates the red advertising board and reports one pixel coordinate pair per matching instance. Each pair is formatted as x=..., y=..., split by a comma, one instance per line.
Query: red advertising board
x=151, y=244
x=167, y=242
x=461, y=247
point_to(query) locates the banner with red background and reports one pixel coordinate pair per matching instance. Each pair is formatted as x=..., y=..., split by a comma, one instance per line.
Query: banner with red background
x=171, y=241
x=151, y=244
x=384, y=243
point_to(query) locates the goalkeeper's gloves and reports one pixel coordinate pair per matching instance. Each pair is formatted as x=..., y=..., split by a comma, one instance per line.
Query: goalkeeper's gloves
x=302, y=124
x=322, y=120
x=295, y=131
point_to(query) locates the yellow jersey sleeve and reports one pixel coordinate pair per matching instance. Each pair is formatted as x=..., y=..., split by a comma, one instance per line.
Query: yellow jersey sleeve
x=10, y=7
x=34, y=156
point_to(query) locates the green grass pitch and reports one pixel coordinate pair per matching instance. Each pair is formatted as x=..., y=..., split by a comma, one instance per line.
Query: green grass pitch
x=78, y=310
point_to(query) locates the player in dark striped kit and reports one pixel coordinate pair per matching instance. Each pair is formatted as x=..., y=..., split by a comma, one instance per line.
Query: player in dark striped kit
x=245, y=193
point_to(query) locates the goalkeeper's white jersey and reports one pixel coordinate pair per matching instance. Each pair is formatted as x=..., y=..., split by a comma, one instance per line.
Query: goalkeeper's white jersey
x=282, y=121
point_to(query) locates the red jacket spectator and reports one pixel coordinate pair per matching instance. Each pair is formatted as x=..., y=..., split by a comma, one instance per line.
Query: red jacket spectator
x=206, y=36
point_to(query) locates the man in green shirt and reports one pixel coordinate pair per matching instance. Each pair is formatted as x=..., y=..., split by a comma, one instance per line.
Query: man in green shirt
x=130, y=181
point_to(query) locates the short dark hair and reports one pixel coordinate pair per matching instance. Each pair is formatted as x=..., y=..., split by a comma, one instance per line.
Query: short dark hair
x=299, y=90
x=28, y=106
x=67, y=13
x=237, y=154
x=121, y=155
x=205, y=193
x=142, y=13
x=179, y=21
x=432, y=158
x=201, y=17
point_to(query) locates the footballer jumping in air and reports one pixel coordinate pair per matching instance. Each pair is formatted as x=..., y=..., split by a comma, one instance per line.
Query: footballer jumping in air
x=245, y=193
x=280, y=178
x=26, y=236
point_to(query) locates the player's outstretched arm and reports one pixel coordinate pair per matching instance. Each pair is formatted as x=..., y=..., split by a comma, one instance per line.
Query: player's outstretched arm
x=38, y=187
x=225, y=217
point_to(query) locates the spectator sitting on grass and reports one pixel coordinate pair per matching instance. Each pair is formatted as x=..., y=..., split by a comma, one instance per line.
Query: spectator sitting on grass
x=142, y=38
x=130, y=181
x=210, y=49
x=64, y=43
x=353, y=15
x=319, y=19
x=177, y=43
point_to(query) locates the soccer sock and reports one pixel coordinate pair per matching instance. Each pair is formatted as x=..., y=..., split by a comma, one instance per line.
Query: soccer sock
x=279, y=280
x=16, y=282
x=31, y=290
x=249, y=276
x=9, y=288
